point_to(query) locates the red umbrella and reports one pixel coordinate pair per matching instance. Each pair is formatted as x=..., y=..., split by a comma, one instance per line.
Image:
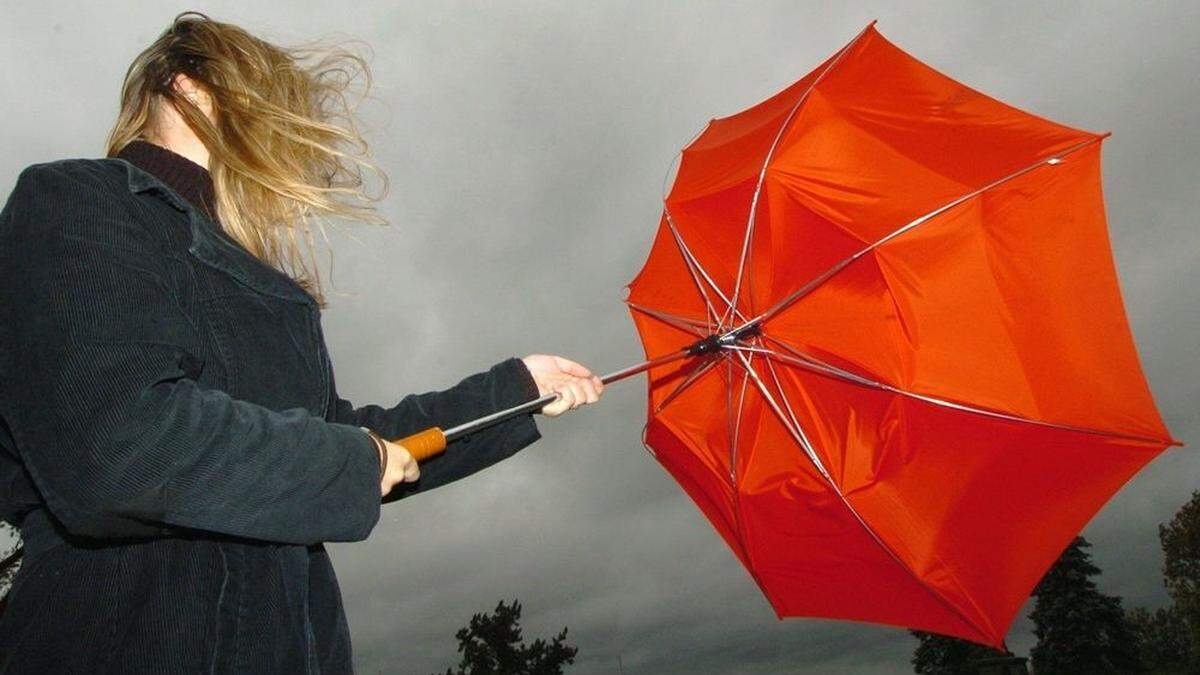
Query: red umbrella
x=909, y=378
x=887, y=351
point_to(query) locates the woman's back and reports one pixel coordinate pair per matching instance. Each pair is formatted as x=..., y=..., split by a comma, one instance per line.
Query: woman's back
x=178, y=449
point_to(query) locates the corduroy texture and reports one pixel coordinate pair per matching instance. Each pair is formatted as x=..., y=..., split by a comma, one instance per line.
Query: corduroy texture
x=187, y=178
x=172, y=443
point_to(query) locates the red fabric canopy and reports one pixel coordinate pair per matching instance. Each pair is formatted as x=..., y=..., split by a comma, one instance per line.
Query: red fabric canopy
x=941, y=388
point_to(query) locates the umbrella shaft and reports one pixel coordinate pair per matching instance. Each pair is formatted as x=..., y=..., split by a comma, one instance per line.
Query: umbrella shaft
x=539, y=403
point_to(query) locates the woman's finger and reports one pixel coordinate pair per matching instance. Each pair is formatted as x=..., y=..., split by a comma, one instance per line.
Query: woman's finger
x=590, y=389
x=559, y=406
x=581, y=395
x=571, y=395
x=573, y=392
x=401, y=467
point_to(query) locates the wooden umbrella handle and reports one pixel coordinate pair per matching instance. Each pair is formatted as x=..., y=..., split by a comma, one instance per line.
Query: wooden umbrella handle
x=424, y=444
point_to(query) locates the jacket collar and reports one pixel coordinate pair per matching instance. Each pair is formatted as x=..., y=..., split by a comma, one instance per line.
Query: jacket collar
x=211, y=244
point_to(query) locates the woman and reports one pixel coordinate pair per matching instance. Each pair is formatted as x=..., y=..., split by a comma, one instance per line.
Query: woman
x=174, y=448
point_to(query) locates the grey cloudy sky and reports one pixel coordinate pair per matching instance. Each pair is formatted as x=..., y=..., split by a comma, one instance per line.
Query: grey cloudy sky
x=527, y=145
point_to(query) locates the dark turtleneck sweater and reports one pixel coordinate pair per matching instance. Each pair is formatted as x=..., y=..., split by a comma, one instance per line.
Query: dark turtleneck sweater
x=181, y=174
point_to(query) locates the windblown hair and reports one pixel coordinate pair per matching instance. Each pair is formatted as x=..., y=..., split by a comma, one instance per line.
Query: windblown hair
x=285, y=147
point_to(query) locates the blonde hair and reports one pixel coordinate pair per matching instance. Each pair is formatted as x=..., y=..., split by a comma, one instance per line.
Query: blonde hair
x=278, y=148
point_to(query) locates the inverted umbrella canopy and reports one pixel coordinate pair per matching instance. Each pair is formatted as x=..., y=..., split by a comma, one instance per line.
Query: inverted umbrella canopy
x=916, y=382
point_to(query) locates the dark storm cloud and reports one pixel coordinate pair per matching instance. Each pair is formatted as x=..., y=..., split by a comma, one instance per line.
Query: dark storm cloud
x=527, y=146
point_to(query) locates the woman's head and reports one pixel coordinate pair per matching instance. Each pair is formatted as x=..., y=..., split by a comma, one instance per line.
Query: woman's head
x=282, y=140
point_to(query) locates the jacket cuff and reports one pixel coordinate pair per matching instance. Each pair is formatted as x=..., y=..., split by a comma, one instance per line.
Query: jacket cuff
x=361, y=500
x=515, y=384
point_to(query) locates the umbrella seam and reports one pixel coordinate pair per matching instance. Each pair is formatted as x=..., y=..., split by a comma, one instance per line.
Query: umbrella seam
x=945, y=601
x=762, y=174
x=843, y=114
x=735, y=503
x=844, y=263
x=847, y=376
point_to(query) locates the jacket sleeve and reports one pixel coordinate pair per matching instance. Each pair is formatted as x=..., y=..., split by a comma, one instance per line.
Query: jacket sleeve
x=118, y=439
x=504, y=385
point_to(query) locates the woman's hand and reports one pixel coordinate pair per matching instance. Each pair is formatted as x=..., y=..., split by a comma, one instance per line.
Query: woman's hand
x=401, y=467
x=575, y=384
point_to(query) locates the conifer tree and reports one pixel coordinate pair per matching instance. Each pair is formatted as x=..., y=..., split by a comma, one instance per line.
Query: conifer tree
x=1079, y=629
x=491, y=645
x=1181, y=569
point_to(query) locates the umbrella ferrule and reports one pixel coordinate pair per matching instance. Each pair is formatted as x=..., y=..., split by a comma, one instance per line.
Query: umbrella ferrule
x=718, y=341
x=707, y=345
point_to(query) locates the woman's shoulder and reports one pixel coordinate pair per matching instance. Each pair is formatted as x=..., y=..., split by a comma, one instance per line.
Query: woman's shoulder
x=77, y=196
x=83, y=174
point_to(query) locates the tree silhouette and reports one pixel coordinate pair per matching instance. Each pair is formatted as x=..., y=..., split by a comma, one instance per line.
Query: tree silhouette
x=1079, y=629
x=944, y=655
x=1164, y=643
x=1181, y=569
x=491, y=645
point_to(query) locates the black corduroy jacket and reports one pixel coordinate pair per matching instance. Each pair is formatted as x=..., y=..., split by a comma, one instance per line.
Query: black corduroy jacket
x=172, y=444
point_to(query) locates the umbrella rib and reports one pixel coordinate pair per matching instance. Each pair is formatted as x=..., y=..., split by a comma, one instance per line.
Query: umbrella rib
x=687, y=252
x=806, y=361
x=682, y=323
x=762, y=173
x=692, y=377
x=737, y=283
x=783, y=397
x=737, y=426
x=731, y=437
x=645, y=430
x=739, y=530
x=687, y=259
x=843, y=264
x=798, y=435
